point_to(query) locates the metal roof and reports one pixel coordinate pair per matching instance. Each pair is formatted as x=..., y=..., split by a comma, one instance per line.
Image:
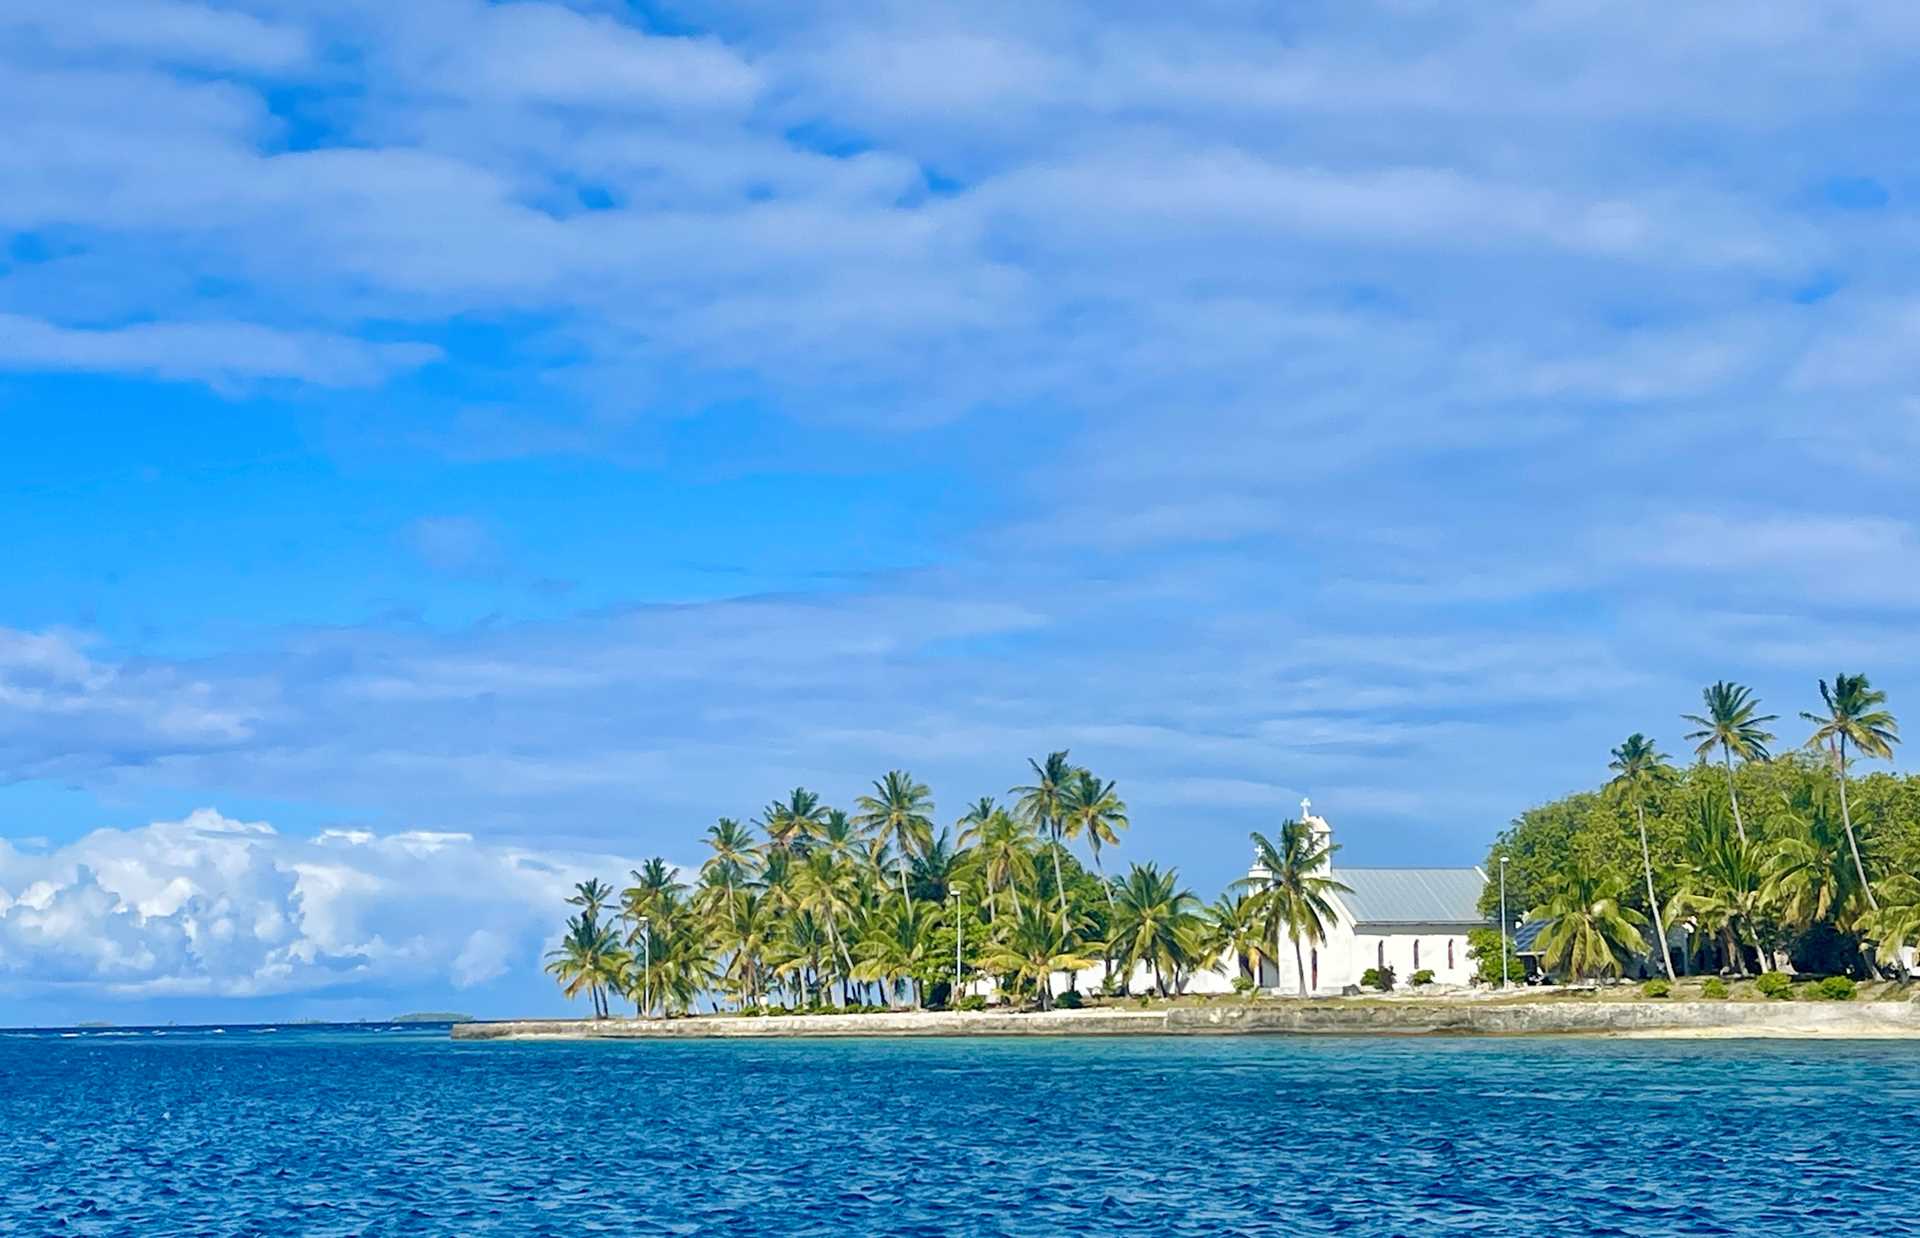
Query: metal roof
x=1527, y=934
x=1413, y=895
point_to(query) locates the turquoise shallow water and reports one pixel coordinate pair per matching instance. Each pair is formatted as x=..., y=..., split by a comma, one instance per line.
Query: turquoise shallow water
x=397, y=1131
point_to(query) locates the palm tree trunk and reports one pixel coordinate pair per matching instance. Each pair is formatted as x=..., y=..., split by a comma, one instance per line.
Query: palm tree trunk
x=1059, y=882
x=1299, y=963
x=1733, y=795
x=1846, y=819
x=1653, y=903
x=902, y=864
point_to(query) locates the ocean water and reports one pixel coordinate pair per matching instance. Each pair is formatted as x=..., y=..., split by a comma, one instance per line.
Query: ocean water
x=400, y=1131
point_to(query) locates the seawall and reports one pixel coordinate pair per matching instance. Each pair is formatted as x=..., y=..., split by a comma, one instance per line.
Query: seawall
x=1624, y=1018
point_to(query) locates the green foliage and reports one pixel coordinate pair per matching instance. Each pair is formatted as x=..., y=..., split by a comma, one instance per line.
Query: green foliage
x=1483, y=947
x=1774, y=984
x=972, y=1001
x=1836, y=989
x=1715, y=989
x=1380, y=978
x=1421, y=978
x=1070, y=1000
x=1758, y=851
x=1657, y=987
x=1243, y=985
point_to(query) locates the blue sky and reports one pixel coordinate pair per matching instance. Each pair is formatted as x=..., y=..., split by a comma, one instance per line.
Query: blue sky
x=455, y=447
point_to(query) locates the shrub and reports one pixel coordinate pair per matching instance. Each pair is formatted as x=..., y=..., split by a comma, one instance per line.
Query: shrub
x=1835, y=989
x=1380, y=978
x=1715, y=988
x=1483, y=947
x=1657, y=987
x=1242, y=985
x=1142, y=999
x=1774, y=984
x=1070, y=1000
x=972, y=1001
x=1421, y=977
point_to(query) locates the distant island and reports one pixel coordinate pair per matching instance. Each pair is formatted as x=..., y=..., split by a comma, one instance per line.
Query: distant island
x=433, y=1016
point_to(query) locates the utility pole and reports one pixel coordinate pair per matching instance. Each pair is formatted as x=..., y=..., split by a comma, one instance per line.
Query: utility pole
x=646, y=966
x=1503, y=922
x=959, y=931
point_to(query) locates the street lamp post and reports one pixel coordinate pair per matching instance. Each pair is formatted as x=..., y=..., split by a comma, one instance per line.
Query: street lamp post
x=1503, y=922
x=646, y=966
x=959, y=932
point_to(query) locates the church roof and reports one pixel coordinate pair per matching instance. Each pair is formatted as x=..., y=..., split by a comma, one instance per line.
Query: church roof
x=1413, y=895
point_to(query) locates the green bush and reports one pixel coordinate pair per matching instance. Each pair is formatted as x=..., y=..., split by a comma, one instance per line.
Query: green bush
x=1380, y=978
x=1070, y=1000
x=1657, y=987
x=1835, y=989
x=1242, y=985
x=1774, y=984
x=1422, y=977
x=1484, y=948
x=1714, y=988
x=972, y=1001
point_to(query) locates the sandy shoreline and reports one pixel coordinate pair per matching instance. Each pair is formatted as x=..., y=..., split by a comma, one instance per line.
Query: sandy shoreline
x=1666, y=1020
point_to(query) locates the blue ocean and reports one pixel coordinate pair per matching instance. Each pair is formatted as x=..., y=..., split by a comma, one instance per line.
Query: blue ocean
x=398, y=1130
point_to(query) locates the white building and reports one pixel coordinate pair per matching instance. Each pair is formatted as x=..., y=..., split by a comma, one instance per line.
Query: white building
x=1409, y=919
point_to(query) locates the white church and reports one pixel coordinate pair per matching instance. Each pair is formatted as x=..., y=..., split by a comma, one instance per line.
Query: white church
x=1409, y=919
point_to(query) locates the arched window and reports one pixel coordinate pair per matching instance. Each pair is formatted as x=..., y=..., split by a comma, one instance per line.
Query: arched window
x=1416, y=954
x=1449, y=954
x=1380, y=955
x=1316, y=969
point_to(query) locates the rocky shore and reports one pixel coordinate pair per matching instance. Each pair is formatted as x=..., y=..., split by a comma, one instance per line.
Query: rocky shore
x=1702, y=1019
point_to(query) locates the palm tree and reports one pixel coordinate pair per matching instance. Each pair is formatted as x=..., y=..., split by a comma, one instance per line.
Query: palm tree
x=1031, y=946
x=934, y=869
x=828, y=889
x=1090, y=807
x=741, y=933
x=1727, y=885
x=1895, y=924
x=899, y=813
x=997, y=848
x=676, y=965
x=1042, y=804
x=653, y=882
x=898, y=945
x=591, y=897
x=1589, y=931
x=1295, y=896
x=589, y=957
x=1854, y=715
x=1732, y=725
x=789, y=824
x=1639, y=768
x=1810, y=875
x=734, y=858
x=1156, y=923
x=1232, y=927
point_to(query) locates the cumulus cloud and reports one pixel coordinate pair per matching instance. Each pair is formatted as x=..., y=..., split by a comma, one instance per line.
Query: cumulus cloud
x=214, y=907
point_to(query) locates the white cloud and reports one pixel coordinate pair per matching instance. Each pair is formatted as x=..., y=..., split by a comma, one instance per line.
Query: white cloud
x=172, y=31
x=222, y=354
x=215, y=907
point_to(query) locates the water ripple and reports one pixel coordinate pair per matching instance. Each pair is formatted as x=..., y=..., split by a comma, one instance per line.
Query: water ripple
x=403, y=1133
